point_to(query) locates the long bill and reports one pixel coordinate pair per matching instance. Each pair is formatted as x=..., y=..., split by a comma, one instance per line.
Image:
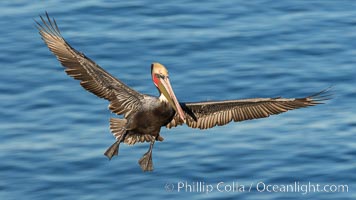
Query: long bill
x=167, y=91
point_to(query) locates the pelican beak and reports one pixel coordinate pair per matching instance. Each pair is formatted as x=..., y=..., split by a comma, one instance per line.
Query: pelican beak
x=166, y=89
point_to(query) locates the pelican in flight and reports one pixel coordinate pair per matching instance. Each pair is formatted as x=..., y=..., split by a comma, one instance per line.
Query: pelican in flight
x=144, y=115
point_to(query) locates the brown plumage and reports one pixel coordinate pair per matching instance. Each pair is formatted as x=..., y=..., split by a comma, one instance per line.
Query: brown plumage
x=204, y=115
x=93, y=78
x=144, y=115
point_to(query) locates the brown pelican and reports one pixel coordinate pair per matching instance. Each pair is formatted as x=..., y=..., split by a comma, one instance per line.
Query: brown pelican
x=144, y=115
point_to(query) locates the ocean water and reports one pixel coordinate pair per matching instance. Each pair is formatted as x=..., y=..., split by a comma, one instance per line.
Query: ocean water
x=53, y=133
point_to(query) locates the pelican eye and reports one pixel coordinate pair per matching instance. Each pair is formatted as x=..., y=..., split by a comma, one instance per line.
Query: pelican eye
x=160, y=76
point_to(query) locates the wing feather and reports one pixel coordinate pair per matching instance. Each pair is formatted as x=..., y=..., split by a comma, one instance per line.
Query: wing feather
x=92, y=77
x=205, y=115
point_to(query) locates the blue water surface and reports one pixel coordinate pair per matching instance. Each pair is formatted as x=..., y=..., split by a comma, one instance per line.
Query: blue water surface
x=53, y=133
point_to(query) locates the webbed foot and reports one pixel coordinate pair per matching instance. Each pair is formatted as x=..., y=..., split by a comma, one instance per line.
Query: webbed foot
x=113, y=150
x=146, y=160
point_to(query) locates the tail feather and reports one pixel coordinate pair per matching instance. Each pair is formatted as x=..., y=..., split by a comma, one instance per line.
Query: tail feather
x=117, y=127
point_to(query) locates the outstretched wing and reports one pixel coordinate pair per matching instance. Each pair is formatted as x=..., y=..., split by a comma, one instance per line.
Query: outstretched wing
x=92, y=77
x=206, y=115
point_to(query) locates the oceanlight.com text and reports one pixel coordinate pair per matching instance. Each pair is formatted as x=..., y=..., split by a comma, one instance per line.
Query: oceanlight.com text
x=259, y=186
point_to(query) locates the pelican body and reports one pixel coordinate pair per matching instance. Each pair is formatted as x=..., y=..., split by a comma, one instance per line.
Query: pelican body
x=144, y=115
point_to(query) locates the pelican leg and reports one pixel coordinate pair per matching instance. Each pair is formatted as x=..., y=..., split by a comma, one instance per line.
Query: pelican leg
x=113, y=150
x=146, y=160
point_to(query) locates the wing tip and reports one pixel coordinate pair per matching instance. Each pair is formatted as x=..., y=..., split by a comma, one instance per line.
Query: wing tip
x=48, y=26
x=322, y=96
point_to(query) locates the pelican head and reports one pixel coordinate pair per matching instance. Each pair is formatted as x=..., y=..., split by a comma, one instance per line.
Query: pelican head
x=161, y=80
